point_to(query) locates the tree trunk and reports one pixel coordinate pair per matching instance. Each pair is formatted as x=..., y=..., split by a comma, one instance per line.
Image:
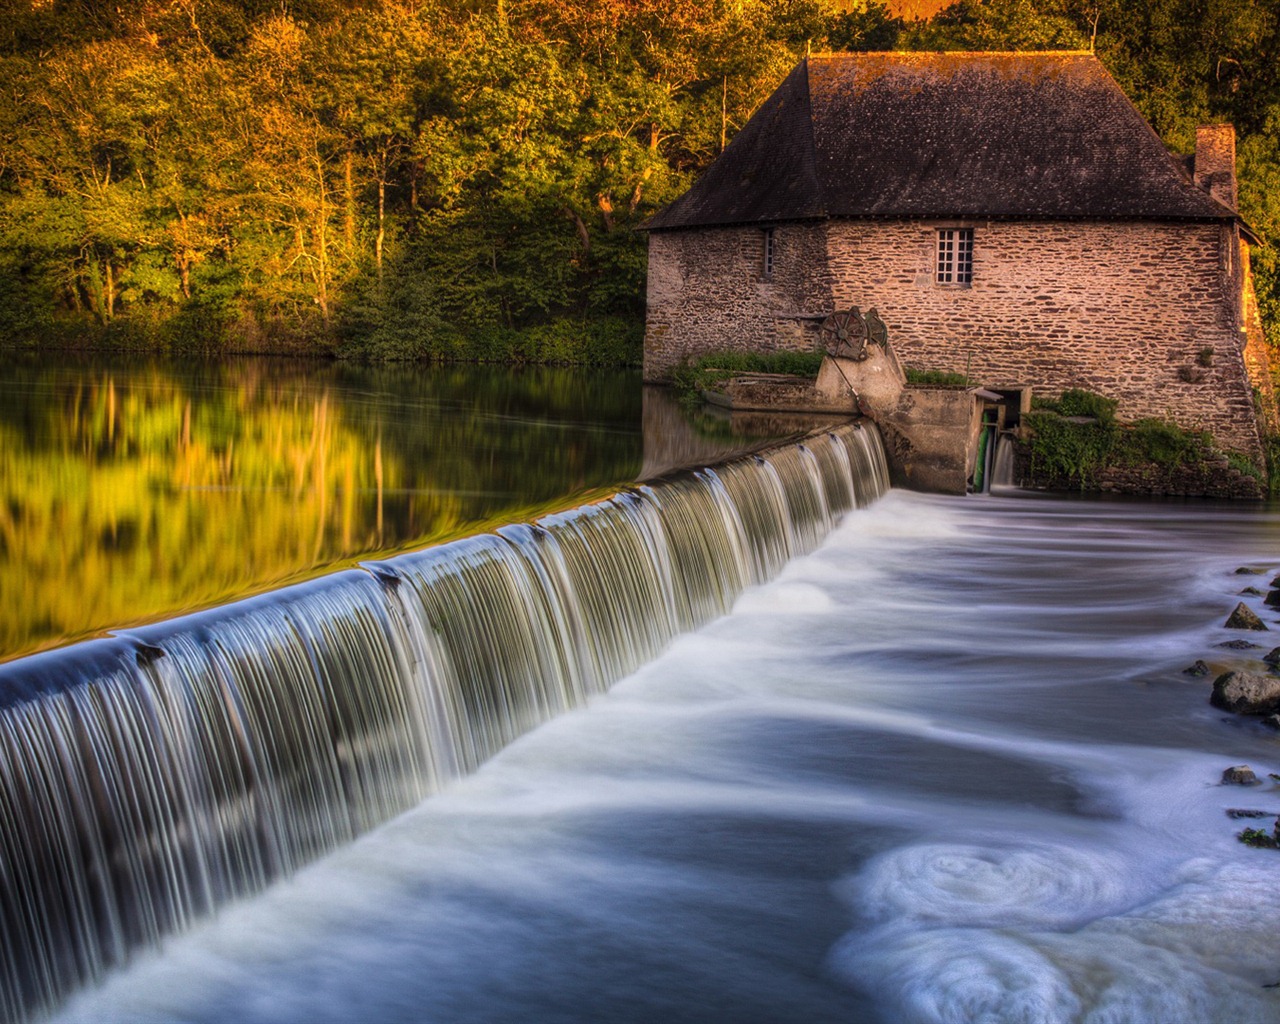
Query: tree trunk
x=581, y=227
x=349, y=220
x=321, y=232
x=724, y=110
x=109, y=291
x=382, y=223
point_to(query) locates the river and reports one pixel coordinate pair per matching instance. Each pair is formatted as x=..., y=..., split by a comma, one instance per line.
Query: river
x=945, y=768
x=132, y=489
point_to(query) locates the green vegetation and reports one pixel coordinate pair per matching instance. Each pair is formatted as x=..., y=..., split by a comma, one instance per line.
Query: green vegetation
x=1078, y=402
x=1079, y=449
x=704, y=373
x=1076, y=452
x=441, y=179
x=942, y=377
x=1257, y=838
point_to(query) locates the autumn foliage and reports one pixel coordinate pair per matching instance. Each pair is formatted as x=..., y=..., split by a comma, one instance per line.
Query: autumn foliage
x=445, y=178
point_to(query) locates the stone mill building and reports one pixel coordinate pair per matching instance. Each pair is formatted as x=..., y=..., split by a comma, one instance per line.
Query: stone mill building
x=1012, y=218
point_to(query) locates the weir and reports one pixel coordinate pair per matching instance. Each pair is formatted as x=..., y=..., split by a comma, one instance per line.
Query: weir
x=151, y=776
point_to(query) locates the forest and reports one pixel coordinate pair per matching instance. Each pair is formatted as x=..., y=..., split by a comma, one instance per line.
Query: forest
x=463, y=179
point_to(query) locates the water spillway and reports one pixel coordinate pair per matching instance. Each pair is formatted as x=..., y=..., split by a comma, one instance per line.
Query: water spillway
x=151, y=776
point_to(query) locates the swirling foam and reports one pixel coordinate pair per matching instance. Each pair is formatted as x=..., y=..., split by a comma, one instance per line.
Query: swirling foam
x=973, y=976
x=968, y=933
x=1044, y=886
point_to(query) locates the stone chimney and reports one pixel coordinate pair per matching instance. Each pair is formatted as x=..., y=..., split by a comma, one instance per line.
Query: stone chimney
x=1215, y=166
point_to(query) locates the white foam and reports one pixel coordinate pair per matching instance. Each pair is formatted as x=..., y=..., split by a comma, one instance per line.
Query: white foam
x=994, y=886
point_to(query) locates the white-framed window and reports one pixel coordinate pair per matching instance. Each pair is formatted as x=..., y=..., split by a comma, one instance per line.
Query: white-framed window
x=767, y=252
x=955, y=256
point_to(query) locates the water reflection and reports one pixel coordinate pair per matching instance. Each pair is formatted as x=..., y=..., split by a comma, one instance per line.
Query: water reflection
x=678, y=437
x=133, y=491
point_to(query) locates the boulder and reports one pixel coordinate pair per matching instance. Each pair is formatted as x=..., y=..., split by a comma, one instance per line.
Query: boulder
x=1272, y=657
x=1244, y=618
x=1273, y=599
x=1246, y=693
x=1251, y=592
x=1239, y=775
x=1245, y=570
x=1242, y=812
x=1198, y=669
x=1240, y=645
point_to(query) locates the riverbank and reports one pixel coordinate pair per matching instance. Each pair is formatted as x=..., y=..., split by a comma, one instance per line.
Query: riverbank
x=605, y=342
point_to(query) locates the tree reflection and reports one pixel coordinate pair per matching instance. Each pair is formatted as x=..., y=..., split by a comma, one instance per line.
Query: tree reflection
x=129, y=493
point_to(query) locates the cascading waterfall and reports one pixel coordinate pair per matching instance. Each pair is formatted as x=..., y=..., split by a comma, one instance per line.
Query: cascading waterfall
x=149, y=777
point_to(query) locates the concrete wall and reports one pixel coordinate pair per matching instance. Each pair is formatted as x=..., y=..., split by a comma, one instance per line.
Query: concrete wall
x=1124, y=309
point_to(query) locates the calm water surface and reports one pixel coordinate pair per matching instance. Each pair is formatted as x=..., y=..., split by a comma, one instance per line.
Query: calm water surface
x=947, y=768
x=129, y=491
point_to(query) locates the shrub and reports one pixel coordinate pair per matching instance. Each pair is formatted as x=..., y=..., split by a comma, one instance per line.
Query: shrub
x=1078, y=402
x=1077, y=452
x=1164, y=443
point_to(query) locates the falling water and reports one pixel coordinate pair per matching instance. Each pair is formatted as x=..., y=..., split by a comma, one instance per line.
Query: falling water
x=1002, y=465
x=152, y=776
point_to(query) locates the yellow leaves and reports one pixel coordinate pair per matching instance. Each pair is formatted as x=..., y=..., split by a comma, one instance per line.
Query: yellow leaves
x=276, y=46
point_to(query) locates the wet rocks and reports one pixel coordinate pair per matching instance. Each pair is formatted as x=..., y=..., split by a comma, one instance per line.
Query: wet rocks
x=1244, y=618
x=1272, y=657
x=1251, y=592
x=1239, y=775
x=1240, y=645
x=1245, y=570
x=1243, y=812
x=1198, y=669
x=1246, y=693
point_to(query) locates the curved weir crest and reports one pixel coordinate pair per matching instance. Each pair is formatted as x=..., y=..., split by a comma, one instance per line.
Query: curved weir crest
x=149, y=777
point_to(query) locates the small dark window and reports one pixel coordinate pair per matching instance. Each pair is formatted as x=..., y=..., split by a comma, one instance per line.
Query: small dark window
x=768, y=253
x=955, y=256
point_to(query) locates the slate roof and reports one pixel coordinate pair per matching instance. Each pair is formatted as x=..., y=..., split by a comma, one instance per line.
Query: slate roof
x=944, y=135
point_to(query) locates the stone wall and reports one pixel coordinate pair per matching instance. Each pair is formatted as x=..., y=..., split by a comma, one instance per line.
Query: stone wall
x=1123, y=309
x=1129, y=310
x=707, y=292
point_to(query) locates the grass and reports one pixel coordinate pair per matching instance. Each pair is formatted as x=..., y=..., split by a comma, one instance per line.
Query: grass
x=703, y=374
x=944, y=377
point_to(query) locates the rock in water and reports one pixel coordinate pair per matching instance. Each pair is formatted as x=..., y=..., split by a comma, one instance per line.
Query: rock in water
x=1239, y=645
x=1246, y=693
x=1243, y=618
x=1272, y=657
x=1273, y=599
x=1251, y=592
x=1198, y=669
x=1239, y=775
